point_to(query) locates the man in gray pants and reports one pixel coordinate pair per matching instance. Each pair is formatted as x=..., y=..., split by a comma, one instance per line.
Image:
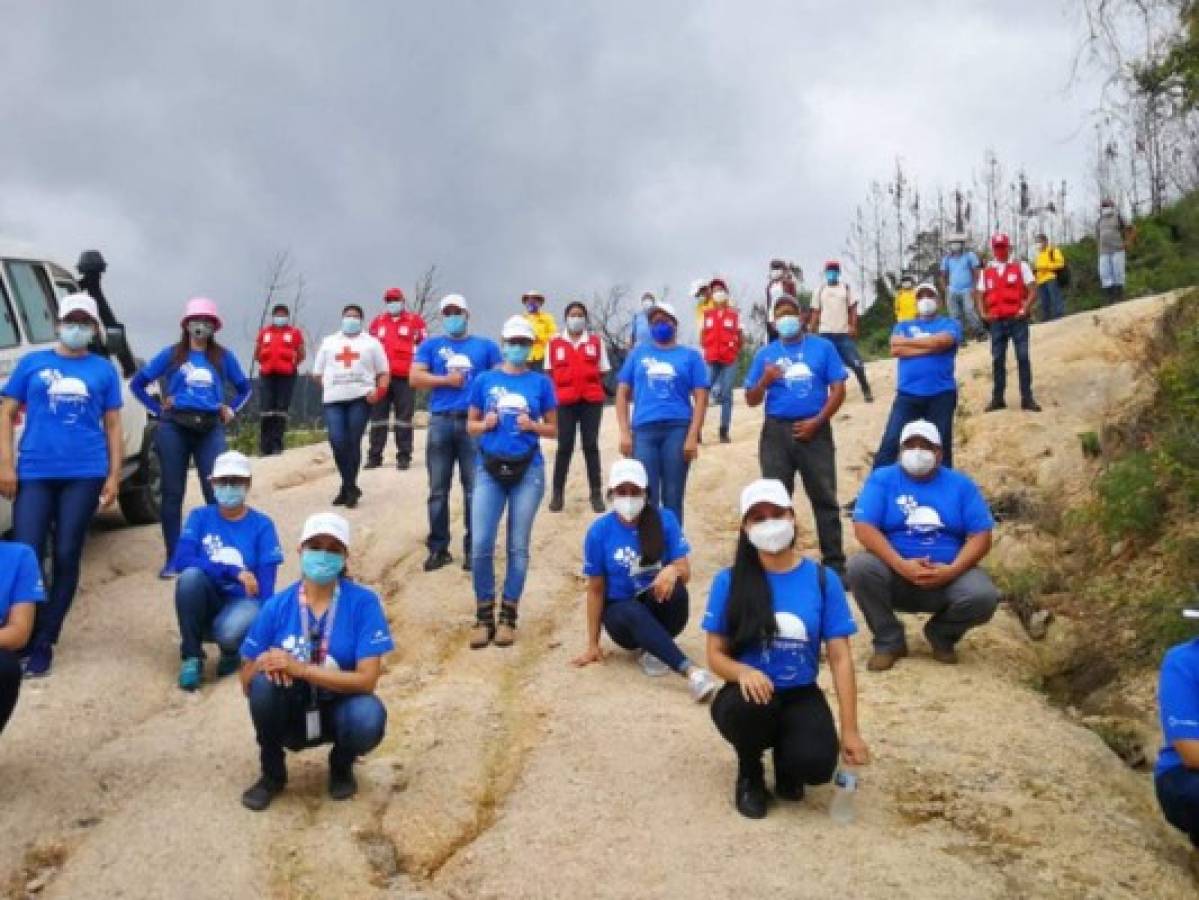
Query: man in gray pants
x=924, y=529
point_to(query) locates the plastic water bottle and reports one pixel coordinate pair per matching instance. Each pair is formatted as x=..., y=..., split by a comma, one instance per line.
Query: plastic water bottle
x=846, y=785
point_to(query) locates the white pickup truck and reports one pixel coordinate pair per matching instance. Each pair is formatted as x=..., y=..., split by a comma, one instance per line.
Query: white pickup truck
x=30, y=287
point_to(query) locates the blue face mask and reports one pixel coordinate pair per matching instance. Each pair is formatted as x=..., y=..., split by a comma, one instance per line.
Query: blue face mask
x=532, y=307
x=280, y=321
x=395, y=307
x=230, y=496
x=75, y=336
x=832, y=277
x=788, y=327
x=662, y=332
x=321, y=566
x=351, y=326
x=516, y=354
x=455, y=326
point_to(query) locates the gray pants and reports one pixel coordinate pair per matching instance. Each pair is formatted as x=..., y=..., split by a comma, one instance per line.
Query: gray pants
x=956, y=608
x=780, y=456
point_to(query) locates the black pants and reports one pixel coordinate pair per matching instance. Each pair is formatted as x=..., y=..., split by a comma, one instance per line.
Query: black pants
x=780, y=456
x=797, y=724
x=586, y=418
x=652, y=626
x=1178, y=794
x=274, y=400
x=10, y=684
x=400, y=399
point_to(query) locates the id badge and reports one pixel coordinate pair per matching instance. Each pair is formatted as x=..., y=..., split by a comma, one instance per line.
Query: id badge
x=312, y=724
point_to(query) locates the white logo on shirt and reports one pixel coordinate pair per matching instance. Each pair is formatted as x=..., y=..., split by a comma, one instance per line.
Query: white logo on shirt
x=68, y=395
x=661, y=376
x=197, y=377
x=797, y=374
x=220, y=554
x=922, y=522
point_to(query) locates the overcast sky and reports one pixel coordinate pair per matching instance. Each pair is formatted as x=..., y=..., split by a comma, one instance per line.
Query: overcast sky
x=559, y=146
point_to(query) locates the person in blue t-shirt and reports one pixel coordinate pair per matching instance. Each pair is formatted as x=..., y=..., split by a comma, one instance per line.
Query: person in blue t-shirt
x=68, y=464
x=511, y=409
x=21, y=593
x=1176, y=775
x=924, y=529
x=767, y=617
x=959, y=273
x=802, y=379
x=640, y=333
x=926, y=348
x=192, y=408
x=227, y=558
x=311, y=662
x=635, y=560
x=445, y=366
x=667, y=385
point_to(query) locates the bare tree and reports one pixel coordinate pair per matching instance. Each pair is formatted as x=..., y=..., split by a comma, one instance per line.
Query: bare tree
x=281, y=281
x=611, y=317
x=424, y=300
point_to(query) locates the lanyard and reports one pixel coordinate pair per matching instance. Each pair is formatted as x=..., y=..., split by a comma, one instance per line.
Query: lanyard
x=320, y=652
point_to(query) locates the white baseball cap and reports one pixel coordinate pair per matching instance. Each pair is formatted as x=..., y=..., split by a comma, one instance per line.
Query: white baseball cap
x=928, y=287
x=628, y=471
x=326, y=524
x=518, y=327
x=78, y=303
x=231, y=464
x=920, y=428
x=666, y=307
x=764, y=490
x=455, y=300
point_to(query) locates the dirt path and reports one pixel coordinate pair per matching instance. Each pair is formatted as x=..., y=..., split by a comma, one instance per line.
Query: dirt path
x=509, y=774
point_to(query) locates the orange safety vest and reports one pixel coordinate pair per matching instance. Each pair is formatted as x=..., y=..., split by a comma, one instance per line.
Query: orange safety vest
x=721, y=336
x=279, y=350
x=576, y=370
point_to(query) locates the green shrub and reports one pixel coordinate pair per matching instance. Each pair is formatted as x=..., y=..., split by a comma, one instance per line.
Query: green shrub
x=1131, y=503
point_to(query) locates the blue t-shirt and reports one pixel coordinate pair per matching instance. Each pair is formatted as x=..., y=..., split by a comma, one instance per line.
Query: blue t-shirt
x=65, y=400
x=804, y=619
x=509, y=396
x=612, y=551
x=223, y=549
x=641, y=333
x=662, y=379
x=932, y=374
x=929, y=518
x=20, y=578
x=809, y=367
x=469, y=355
x=195, y=386
x=958, y=270
x=360, y=628
x=1178, y=698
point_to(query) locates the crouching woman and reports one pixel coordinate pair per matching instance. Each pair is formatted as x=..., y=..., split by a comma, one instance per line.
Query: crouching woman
x=311, y=662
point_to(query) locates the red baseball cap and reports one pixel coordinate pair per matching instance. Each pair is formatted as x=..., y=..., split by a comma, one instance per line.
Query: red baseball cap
x=393, y=294
x=1001, y=239
x=832, y=264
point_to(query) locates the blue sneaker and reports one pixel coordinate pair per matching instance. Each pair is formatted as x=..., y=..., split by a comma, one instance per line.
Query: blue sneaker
x=168, y=572
x=191, y=673
x=39, y=661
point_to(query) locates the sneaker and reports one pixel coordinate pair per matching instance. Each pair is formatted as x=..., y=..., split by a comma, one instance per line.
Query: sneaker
x=168, y=572
x=404, y=463
x=39, y=661
x=652, y=666
x=505, y=634
x=191, y=673
x=228, y=664
x=373, y=464
x=481, y=635
x=340, y=499
x=703, y=684
x=597, y=502
x=881, y=661
x=724, y=438
x=342, y=784
x=437, y=559
x=750, y=797
x=353, y=495
x=868, y=395
x=264, y=790
x=1030, y=406
x=995, y=405
x=556, y=502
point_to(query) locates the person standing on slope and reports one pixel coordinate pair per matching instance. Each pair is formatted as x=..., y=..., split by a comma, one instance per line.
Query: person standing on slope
x=639, y=333
x=721, y=338
x=835, y=318
x=445, y=366
x=802, y=380
x=279, y=352
x=400, y=331
x=543, y=326
x=959, y=272
x=905, y=299
x=1047, y=265
x=1111, y=233
x=1004, y=296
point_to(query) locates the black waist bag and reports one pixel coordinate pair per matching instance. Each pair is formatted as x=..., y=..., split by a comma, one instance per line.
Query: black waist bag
x=197, y=422
x=507, y=470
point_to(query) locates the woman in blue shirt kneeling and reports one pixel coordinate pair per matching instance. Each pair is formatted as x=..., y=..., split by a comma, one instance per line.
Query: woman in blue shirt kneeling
x=312, y=660
x=20, y=593
x=635, y=560
x=192, y=412
x=227, y=557
x=767, y=617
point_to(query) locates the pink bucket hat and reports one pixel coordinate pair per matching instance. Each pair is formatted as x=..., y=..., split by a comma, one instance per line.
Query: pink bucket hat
x=201, y=307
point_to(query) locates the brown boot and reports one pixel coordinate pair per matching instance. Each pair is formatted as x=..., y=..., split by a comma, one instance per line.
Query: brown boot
x=881, y=662
x=505, y=634
x=484, y=631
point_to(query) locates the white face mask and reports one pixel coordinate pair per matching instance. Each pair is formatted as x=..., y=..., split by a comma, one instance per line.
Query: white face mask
x=917, y=461
x=629, y=508
x=772, y=536
x=576, y=324
x=926, y=306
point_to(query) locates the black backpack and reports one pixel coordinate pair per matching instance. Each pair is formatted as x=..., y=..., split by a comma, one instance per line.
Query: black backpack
x=1063, y=274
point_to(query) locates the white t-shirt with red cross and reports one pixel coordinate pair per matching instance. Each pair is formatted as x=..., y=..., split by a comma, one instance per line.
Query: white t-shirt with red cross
x=349, y=366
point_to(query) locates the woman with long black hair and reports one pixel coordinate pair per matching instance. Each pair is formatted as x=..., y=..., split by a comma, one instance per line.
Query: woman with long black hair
x=767, y=617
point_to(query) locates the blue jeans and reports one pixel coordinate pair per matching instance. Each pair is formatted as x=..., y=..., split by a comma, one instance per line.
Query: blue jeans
x=353, y=723
x=847, y=349
x=204, y=613
x=487, y=508
x=961, y=309
x=346, y=423
x=447, y=443
x=1053, y=304
x=1111, y=269
x=651, y=626
x=64, y=507
x=177, y=448
x=1178, y=795
x=938, y=409
x=659, y=447
x=1016, y=331
x=721, y=376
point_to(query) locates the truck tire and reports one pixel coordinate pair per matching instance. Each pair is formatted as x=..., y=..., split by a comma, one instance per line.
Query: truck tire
x=141, y=492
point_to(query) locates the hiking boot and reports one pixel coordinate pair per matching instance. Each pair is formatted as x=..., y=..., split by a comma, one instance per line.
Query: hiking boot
x=228, y=664
x=437, y=559
x=340, y=499
x=949, y=657
x=724, y=437
x=597, y=502
x=259, y=796
x=556, y=502
x=353, y=495
x=40, y=661
x=995, y=405
x=372, y=464
x=1030, y=406
x=404, y=463
x=342, y=783
x=484, y=631
x=882, y=660
x=191, y=673
x=703, y=684
x=750, y=796
x=505, y=634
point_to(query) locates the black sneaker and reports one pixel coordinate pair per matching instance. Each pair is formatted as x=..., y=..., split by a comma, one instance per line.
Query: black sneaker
x=403, y=463
x=995, y=405
x=264, y=790
x=750, y=797
x=1030, y=406
x=373, y=464
x=724, y=438
x=340, y=499
x=437, y=559
x=868, y=395
x=353, y=495
x=556, y=502
x=597, y=502
x=342, y=784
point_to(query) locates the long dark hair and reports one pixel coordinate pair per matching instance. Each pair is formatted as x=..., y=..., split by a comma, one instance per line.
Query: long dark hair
x=215, y=352
x=749, y=616
x=649, y=535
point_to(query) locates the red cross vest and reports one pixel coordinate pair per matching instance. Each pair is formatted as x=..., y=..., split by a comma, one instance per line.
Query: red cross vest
x=576, y=370
x=721, y=336
x=279, y=350
x=1005, y=290
x=399, y=336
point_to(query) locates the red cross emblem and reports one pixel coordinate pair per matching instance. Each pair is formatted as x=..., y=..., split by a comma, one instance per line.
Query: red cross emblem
x=347, y=357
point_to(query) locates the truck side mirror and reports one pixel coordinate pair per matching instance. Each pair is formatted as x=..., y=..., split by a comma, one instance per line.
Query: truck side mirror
x=115, y=340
